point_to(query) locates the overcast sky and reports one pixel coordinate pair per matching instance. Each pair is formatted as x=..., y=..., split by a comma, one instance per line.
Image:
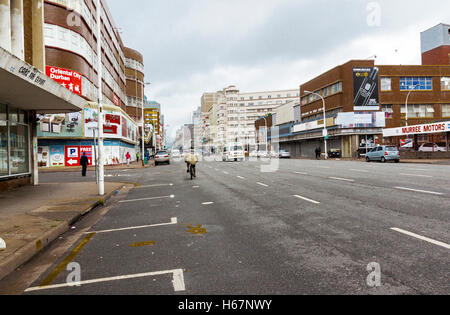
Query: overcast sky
x=196, y=46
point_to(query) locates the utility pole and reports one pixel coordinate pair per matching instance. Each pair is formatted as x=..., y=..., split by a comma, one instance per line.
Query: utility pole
x=325, y=130
x=101, y=170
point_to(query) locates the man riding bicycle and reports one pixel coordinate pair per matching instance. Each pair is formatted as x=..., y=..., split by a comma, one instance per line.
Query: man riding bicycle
x=191, y=160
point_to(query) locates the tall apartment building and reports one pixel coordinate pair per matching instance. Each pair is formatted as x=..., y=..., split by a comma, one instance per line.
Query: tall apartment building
x=70, y=58
x=232, y=116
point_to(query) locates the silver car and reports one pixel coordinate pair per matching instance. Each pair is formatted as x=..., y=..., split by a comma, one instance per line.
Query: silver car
x=383, y=154
x=162, y=157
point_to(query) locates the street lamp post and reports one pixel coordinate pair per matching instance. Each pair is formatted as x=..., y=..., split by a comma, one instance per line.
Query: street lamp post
x=267, y=135
x=407, y=98
x=325, y=130
x=101, y=170
x=143, y=123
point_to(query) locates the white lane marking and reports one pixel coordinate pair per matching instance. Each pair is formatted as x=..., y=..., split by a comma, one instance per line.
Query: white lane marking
x=429, y=240
x=207, y=203
x=172, y=222
x=307, y=199
x=355, y=170
x=177, y=281
x=150, y=198
x=416, y=175
x=342, y=179
x=156, y=185
x=261, y=184
x=195, y=187
x=421, y=191
x=226, y=173
x=240, y=177
x=301, y=173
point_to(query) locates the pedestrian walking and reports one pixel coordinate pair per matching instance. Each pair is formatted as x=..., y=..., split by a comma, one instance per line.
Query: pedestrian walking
x=137, y=157
x=318, y=153
x=84, y=162
x=128, y=158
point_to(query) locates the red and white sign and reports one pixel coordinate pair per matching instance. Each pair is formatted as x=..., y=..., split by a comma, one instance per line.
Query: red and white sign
x=416, y=130
x=116, y=100
x=67, y=78
x=72, y=156
x=89, y=153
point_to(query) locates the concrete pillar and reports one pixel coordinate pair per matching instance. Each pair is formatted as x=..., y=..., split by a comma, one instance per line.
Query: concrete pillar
x=5, y=25
x=17, y=29
x=38, y=34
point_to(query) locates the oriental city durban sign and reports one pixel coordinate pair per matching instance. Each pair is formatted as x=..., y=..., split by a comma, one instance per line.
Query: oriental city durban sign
x=419, y=129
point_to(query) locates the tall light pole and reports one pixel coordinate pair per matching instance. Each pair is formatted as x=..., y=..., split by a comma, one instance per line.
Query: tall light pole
x=267, y=135
x=101, y=170
x=407, y=98
x=325, y=130
x=143, y=123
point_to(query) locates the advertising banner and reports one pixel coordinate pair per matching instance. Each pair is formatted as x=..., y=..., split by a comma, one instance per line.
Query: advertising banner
x=416, y=130
x=57, y=155
x=89, y=152
x=365, y=85
x=67, y=78
x=361, y=120
x=60, y=125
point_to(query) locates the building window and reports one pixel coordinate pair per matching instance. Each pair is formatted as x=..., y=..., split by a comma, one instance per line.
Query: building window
x=418, y=111
x=445, y=84
x=446, y=110
x=386, y=84
x=388, y=110
x=416, y=83
x=14, y=142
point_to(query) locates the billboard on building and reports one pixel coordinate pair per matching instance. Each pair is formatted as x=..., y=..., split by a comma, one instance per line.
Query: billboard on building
x=60, y=125
x=71, y=80
x=366, y=89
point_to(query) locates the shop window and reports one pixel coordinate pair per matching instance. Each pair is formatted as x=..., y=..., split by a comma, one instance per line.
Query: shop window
x=19, y=149
x=3, y=147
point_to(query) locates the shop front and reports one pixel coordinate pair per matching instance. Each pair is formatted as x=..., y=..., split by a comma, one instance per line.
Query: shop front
x=421, y=141
x=63, y=138
x=25, y=92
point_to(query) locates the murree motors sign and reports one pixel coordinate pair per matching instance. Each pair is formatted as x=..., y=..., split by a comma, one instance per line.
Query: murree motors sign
x=419, y=129
x=67, y=78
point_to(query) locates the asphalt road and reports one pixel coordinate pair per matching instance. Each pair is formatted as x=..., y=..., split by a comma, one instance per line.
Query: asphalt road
x=291, y=227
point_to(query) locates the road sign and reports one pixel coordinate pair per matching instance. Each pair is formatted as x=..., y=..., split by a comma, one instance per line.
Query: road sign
x=72, y=156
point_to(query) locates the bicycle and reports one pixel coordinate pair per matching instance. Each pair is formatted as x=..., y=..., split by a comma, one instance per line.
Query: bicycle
x=192, y=171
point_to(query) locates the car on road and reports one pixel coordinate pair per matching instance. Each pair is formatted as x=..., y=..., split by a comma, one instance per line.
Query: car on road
x=233, y=152
x=176, y=154
x=263, y=154
x=162, y=157
x=383, y=154
x=253, y=154
x=282, y=154
x=433, y=147
x=334, y=154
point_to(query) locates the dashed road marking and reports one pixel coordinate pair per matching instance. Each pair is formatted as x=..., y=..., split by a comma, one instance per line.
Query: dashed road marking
x=416, y=175
x=207, y=203
x=420, y=191
x=342, y=179
x=240, y=177
x=429, y=240
x=301, y=173
x=262, y=184
x=307, y=199
x=155, y=185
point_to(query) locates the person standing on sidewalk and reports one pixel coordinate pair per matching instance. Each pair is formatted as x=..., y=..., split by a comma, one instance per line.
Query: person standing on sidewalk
x=137, y=157
x=318, y=153
x=128, y=158
x=84, y=162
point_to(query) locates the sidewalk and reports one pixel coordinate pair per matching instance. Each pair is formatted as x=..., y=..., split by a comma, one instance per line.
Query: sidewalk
x=134, y=165
x=32, y=217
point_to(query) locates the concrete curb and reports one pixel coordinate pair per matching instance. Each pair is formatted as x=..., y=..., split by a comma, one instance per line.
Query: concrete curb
x=24, y=254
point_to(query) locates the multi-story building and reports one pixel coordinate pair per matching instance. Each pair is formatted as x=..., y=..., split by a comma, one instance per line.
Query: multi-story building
x=26, y=91
x=435, y=44
x=70, y=58
x=152, y=121
x=234, y=114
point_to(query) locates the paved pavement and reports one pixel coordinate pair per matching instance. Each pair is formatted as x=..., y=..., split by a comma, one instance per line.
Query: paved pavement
x=307, y=227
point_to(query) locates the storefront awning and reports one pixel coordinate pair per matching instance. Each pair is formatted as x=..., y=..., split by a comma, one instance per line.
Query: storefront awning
x=25, y=87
